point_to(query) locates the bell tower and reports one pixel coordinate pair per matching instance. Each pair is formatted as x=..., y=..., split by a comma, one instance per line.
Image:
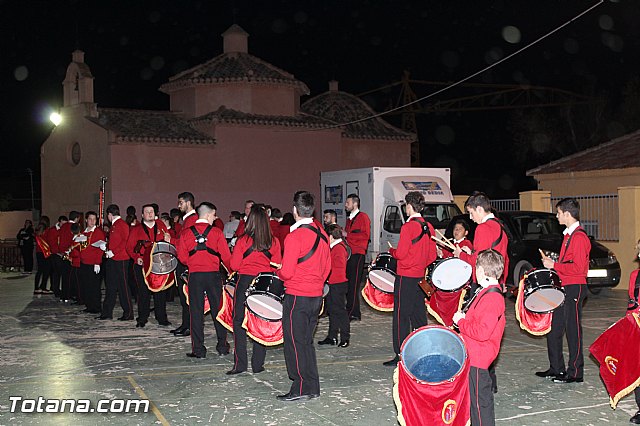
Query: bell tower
x=78, y=83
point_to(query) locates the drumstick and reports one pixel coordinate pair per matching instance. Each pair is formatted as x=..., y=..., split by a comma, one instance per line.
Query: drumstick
x=542, y=254
x=275, y=265
x=445, y=243
x=389, y=244
x=443, y=237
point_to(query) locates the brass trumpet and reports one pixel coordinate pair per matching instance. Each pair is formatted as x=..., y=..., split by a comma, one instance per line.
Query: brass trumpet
x=82, y=244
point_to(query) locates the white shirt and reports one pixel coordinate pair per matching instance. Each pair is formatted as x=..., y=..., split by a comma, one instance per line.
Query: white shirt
x=571, y=228
x=202, y=221
x=487, y=217
x=338, y=241
x=303, y=221
x=414, y=215
x=114, y=219
x=488, y=281
x=187, y=214
x=89, y=229
x=353, y=213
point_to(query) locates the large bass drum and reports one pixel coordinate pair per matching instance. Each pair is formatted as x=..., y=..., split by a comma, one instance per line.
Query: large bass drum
x=265, y=296
x=382, y=273
x=543, y=291
x=164, y=258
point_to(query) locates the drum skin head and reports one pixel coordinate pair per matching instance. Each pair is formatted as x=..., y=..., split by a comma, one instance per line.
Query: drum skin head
x=544, y=300
x=265, y=306
x=450, y=274
x=382, y=280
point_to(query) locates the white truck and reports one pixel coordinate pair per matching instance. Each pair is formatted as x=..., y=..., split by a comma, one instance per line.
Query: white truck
x=381, y=191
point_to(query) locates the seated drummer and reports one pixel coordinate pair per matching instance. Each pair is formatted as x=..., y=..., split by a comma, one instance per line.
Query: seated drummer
x=416, y=251
x=460, y=232
x=253, y=253
x=482, y=327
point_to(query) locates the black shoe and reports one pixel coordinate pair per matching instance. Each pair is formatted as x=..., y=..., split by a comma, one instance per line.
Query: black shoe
x=85, y=310
x=258, y=370
x=177, y=330
x=392, y=362
x=547, y=374
x=290, y=397
x=343, y=343
x=123, y=318
x=564, y=379
x=140, y=324
x=328, y=341
x=234, y=371
x=102, y=317
x=314, y=395
x=635, y=419
x=164, y=323
x=185, y=332
x=192, y=355
x=223, y=349
x=354, y=318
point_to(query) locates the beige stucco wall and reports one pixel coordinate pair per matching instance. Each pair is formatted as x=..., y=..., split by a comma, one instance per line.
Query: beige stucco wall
x=586, y=183
x=12, y=222
x=66, y=186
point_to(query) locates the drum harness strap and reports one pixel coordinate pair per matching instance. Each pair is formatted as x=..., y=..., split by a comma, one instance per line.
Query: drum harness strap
x=425, y=230
x=250, y=250
x=466, y=307
x=346, y=248
x=315, y=244
x=566, y=247
x=201, y=241
x=502, y=231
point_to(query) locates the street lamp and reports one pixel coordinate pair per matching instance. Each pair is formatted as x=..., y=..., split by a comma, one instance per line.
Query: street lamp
x=55, y=118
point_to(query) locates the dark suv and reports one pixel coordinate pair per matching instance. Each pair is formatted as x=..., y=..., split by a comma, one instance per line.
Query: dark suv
x=530, y=231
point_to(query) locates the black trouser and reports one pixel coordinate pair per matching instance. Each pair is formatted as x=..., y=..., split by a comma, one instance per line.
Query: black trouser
x=90, y=285
x=56, y=274
x=144, y=299
x=240, y=334
x=27, y=257
x=355, y=266
x=338, y=316
x=73, y=276
x=636, y=393
x=299, y=320
x=567, y=318
x=482, y=410
x=133, y=287
x=183, y=299
x=44, y=271
x=65, y=274
x=116, y=282
x=409, y=311
x=201, y=283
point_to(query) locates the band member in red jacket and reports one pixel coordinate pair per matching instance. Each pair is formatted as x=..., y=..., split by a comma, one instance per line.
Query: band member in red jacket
x=634, y=290
x=141, y=239
x=65, y=240
x=572, y=267
x=358, y=230
x=201, y=247
x=460, y=232
x=243, y=221
x=490, y=233
x=117, y=273
x=338, y=316
x=306, y=264
x=416, y=250
x=252, y=255
x=482, y=325
x=186, y=204
x=90, y=261
x=53, y=238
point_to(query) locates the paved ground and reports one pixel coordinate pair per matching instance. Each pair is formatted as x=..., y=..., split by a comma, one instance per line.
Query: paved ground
x=55, y=351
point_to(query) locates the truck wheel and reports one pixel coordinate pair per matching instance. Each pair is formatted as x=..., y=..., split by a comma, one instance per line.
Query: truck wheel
x=594, y=290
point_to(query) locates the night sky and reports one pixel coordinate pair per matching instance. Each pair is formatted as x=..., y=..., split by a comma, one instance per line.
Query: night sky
x=132, y=47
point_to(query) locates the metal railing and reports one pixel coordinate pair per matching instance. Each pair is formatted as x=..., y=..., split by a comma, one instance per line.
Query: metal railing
x=598, y=215
x=506, y=205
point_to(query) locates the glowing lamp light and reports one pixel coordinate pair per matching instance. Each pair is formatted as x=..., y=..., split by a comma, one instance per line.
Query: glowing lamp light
x=55, y=118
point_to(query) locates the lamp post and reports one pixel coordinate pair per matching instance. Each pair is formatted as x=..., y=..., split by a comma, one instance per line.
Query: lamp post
x=33, y=206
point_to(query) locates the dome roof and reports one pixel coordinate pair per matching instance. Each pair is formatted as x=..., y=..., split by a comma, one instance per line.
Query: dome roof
x=341, y=107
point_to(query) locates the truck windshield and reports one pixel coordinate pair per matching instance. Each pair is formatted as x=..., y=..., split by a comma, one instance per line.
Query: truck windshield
x=439, y=215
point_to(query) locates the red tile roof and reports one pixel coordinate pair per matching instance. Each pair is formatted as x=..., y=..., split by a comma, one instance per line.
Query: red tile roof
x=620, y=153
x=341, y=107
x=227, y=115
x=149, y=127
x=233, y=67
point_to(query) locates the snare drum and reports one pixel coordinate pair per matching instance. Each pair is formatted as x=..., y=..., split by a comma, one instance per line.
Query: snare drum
x=265, y=296
x=231, y=284
x=450, y=274
x=382, y=273
x=164, y=258
x=543, y=291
